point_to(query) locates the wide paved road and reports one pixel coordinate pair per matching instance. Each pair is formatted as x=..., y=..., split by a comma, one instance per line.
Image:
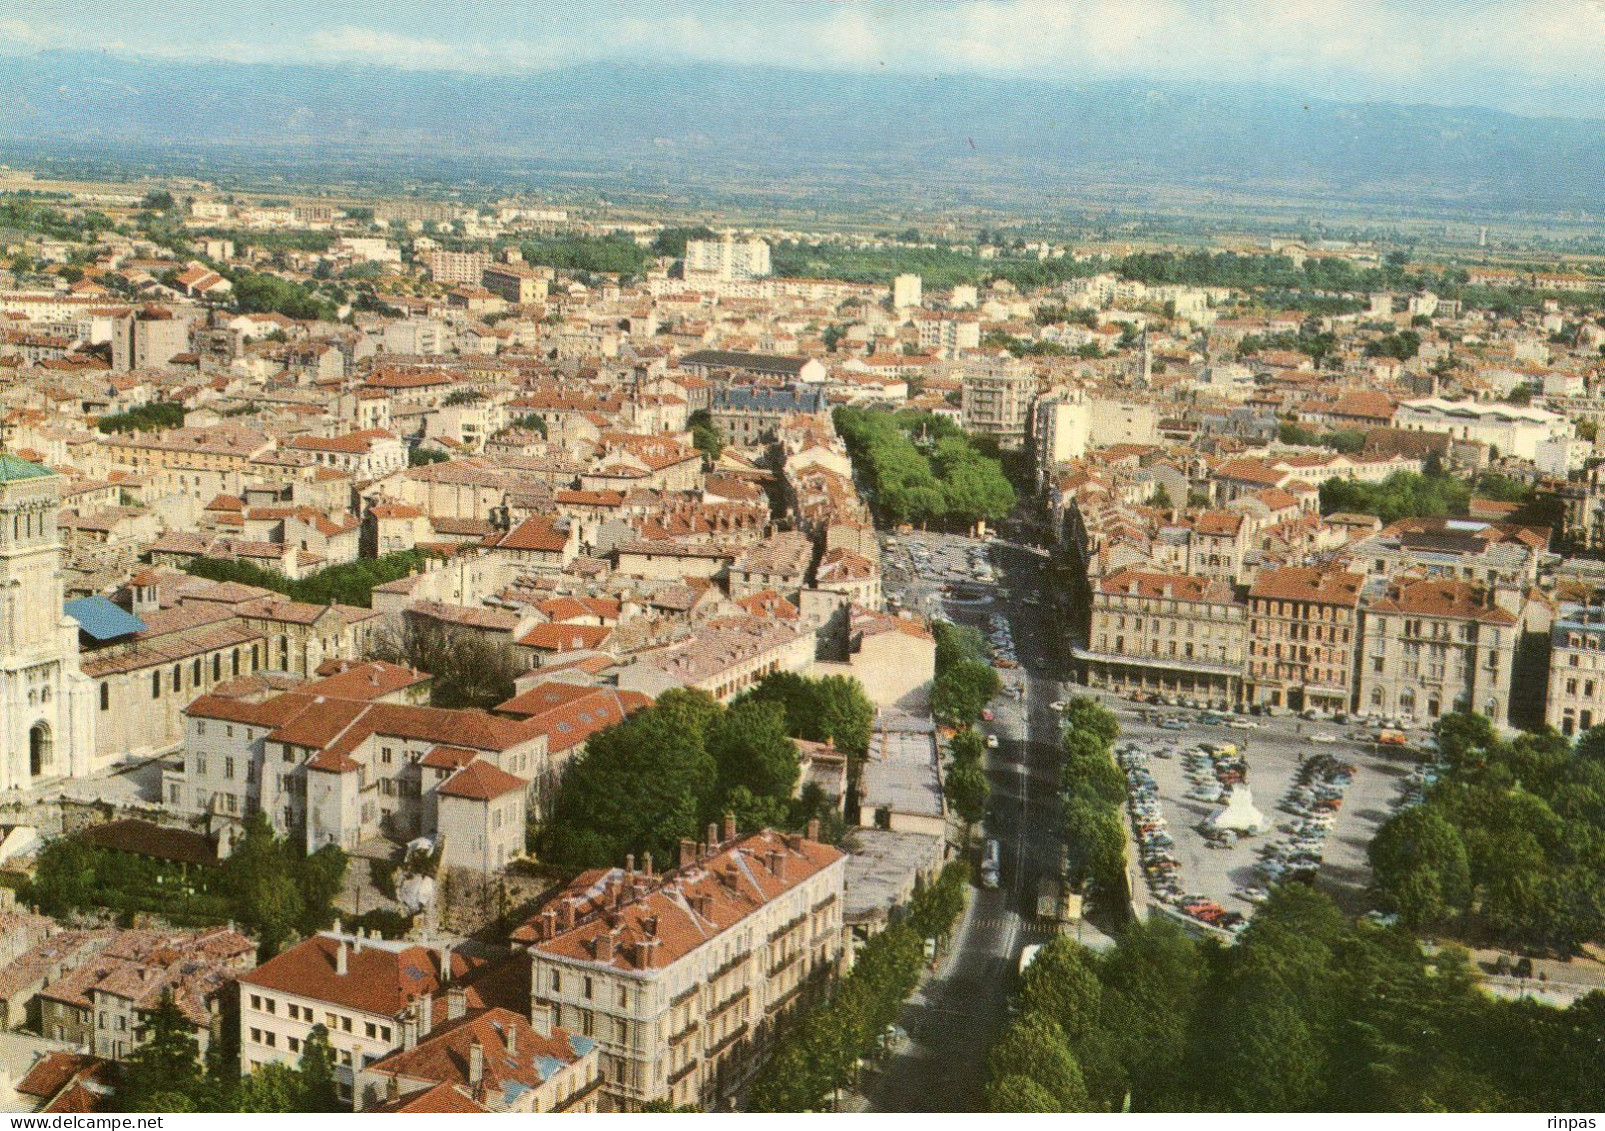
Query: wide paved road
x=962, y=1011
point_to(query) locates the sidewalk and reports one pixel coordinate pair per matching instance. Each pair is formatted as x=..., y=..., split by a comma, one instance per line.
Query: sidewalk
x=857, y=1100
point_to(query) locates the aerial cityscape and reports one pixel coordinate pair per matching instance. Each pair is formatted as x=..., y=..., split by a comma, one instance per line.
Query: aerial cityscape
x=1004, y=556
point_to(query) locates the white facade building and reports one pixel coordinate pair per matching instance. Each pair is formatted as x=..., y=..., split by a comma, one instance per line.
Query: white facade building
x=1516, y=430
x=727, y=258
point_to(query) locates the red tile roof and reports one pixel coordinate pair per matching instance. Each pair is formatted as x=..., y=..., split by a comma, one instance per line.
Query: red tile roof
x=381, y=979
x=481, y=781
x=680, y=910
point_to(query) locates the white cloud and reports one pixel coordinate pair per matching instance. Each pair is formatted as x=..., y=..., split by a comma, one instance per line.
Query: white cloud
x=1433, y=49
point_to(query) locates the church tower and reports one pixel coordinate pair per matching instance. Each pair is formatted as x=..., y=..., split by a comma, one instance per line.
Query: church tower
x=45, y=714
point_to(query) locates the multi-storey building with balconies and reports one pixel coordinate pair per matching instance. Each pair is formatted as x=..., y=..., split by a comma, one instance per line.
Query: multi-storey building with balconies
x=1432, y=646
x=1303, y=637
x=1166, y=633
x=684, y=977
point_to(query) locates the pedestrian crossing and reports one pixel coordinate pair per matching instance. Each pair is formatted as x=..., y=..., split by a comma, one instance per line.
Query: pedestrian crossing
x=1002, y=922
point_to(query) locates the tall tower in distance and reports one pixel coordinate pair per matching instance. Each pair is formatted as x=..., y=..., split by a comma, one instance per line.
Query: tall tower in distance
x=45, y=713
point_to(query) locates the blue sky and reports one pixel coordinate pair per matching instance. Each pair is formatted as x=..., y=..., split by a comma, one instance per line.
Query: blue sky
x=1531, y=56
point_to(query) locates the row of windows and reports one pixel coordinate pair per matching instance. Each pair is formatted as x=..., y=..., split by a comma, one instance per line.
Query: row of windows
x=176, y=676
x=334, y=1022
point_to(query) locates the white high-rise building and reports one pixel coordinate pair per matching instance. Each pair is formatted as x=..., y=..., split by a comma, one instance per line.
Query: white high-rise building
x=906, y=292
x=727, y=258
x=46, y=720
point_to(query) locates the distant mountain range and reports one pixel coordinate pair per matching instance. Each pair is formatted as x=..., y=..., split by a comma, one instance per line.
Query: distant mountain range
x=944, y=140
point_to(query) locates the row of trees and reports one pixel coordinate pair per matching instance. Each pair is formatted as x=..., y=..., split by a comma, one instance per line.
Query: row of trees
x=144, y=418
x=820, y=1052
x=1510, y=842
x=350, y=583
x=662, y=774
x=167, y=1073
x=1094, y=789
x=966, y=784
x=965, y=680
x=945, y=478
x=1310, y=1011
x=268, y=885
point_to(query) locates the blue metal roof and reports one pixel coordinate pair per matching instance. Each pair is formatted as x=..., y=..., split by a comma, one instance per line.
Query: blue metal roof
x=14, y=467
x=102, y=620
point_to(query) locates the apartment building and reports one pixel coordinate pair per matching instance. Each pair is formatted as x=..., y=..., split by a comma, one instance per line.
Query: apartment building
x=1432, y=646
x=366, y=455
x=997, y=400
x=949, y=333
x=1576, y=695
x=1303, y=638
x=372, y=996
x=727, y=259
x=683, y=978
x=514, y=282
x=1167, y=633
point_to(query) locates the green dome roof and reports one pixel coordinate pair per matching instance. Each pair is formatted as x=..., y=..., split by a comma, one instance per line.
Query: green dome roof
x=13, y=468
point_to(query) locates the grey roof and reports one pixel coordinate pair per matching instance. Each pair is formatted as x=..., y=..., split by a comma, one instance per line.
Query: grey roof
x=792, y=398
x=752, y=362
x=901, y=773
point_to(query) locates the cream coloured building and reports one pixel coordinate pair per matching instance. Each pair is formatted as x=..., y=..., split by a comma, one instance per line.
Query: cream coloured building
x=1167, y=633
x=684, y=978
x=1432, y=646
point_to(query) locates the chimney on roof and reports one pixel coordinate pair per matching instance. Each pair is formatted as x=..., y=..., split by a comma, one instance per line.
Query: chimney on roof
x=340, y=959
x=604, y=947
x=425, y=1004
x=729, y=827
x=547, y=924
x=476, y=1064
x=565, y=916
x=777, y=864
x=646, y=865
x=392, y=1088
x=409, y=1030
x=511, y=1035
x=540, y=1018
x=456, y=1003
x=713, y=837
x=813, y=828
